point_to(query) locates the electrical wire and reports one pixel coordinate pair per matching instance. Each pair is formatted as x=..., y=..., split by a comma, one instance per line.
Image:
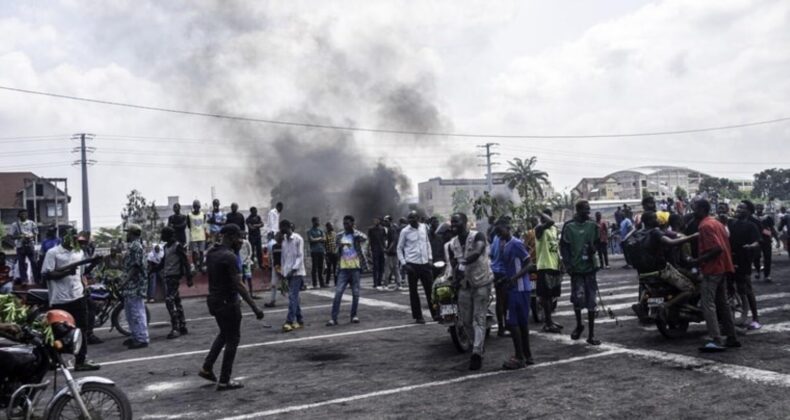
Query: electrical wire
x=393, y=131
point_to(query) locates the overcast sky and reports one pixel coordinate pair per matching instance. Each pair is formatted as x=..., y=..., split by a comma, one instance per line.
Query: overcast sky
x=530, y=67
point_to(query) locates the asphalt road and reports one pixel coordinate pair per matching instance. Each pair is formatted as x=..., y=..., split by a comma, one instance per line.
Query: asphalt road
x=388, y=367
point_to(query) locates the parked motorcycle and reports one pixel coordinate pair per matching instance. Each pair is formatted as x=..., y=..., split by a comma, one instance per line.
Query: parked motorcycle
x=26, y=360
x=105, y=296
x=672, y=321
x=445, y=300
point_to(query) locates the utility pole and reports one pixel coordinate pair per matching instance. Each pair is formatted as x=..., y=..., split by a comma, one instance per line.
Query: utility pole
x=84, y=162
x=489, y=164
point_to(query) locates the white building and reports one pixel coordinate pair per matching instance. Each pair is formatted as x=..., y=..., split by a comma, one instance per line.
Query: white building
x=630, y=184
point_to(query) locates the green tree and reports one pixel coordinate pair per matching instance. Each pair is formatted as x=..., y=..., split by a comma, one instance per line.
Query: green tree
x=681, y=193
x=772, y=183
x=105, y=237
x=490, y=206
x=524, y=178
x=138, y=211
x=720, y=187
x=462, y=203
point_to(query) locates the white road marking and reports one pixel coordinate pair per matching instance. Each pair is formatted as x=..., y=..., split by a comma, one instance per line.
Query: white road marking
x=376, y=303
x=618, y=306
x=205, y=318
x=699, y=364
x=408, y=388
x=261, y=344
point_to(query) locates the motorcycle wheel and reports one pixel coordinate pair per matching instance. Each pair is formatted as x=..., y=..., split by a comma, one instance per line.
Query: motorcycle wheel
x=103, y=401
x=670, y=330
x=118, y=319
x=461, y=341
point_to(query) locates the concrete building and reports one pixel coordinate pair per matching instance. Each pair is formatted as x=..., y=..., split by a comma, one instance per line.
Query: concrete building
x=436, y=194
x=46, y=200
x=632, y=184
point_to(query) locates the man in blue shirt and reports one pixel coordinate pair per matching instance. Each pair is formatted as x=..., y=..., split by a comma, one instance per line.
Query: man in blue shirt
x=516, y=259
x=495, y=255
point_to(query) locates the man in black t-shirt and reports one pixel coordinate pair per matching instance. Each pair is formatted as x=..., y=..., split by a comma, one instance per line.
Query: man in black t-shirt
x=235, y=217
x=179, y=222
x=224, y=289
x=745, y=242
x=254, y=224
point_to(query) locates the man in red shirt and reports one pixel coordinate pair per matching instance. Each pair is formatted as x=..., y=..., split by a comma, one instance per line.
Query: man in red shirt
x=715, y=263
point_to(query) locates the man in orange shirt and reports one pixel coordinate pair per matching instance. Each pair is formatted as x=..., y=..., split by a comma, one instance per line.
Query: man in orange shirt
x=715, y=263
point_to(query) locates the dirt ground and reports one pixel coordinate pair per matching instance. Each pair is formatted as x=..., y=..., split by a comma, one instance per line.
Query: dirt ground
x=388, y=367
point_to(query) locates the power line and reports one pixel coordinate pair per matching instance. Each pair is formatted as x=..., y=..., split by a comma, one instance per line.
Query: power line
x=392, y=131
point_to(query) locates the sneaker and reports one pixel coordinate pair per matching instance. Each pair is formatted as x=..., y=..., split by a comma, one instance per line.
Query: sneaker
x=86, y=366
x=513, y=364
x=331, y=323
x=297, y=325
x=287, y=327
x=355, y=320
x=229, y=386
x=712, y=347
x=593, y=341
x=207, y=375
x=577, y=332
x=476, y=362
x=552, y=329
x=754, y=326
x=173, y=334
x=268, y=305
x=732, y=342
x=183, y=331
x=137, y=345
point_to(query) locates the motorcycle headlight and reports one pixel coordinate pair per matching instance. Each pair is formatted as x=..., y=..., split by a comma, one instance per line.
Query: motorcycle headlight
x=72, y=342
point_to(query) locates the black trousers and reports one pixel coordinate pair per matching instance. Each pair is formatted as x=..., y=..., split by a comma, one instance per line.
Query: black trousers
x=318, y=268
x=424, y=274
x=228, y=317
x=331, y=267
x=603, y=254
x=378, y=267
x=173, y=303
x=79, y=310
x=765, y=251
x=257, y=249
x=23, y=255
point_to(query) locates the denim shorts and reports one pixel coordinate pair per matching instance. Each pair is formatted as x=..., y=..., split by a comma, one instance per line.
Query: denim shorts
x=584, y=289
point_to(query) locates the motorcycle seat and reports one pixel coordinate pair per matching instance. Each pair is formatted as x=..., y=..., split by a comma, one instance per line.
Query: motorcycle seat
x=38, y=295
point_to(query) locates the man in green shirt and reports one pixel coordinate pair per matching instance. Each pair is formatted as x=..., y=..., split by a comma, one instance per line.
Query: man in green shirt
x=547, y=259
x=577, y=247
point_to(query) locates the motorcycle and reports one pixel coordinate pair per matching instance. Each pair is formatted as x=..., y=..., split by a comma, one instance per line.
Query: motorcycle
x=105, y=296
x=672, y=321
x=25, y=365
x=445, y=300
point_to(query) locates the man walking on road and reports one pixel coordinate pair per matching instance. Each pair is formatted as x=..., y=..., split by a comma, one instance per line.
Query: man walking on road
x=414, y=253
x=577, y=247
x=174, y=266
x=224, y=288
x=293, y=271
x=715, y=262
x=472, y=278
x=134, y=288
x=349, y=246
x=378, y=243
x=317, y=238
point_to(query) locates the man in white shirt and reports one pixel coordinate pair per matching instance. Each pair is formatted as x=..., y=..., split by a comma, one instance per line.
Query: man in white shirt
x=66, y=290
x=273, y=224
x=414, y=254
x=292, y=267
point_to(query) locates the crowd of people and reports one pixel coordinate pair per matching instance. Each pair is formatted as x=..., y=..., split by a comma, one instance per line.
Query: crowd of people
x=689, y=248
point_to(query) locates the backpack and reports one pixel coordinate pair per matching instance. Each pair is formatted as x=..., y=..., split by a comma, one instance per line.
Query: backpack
x=640, y=254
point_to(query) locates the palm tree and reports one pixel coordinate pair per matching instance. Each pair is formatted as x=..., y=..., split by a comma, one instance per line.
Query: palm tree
x=524, y=178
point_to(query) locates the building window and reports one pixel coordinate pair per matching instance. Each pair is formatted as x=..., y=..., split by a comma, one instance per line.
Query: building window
x=51, y=210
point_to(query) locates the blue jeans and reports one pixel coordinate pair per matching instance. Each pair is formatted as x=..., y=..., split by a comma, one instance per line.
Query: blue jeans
x=135, y=316
x=343, y=278
x=294, y=310
x=152, y=278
